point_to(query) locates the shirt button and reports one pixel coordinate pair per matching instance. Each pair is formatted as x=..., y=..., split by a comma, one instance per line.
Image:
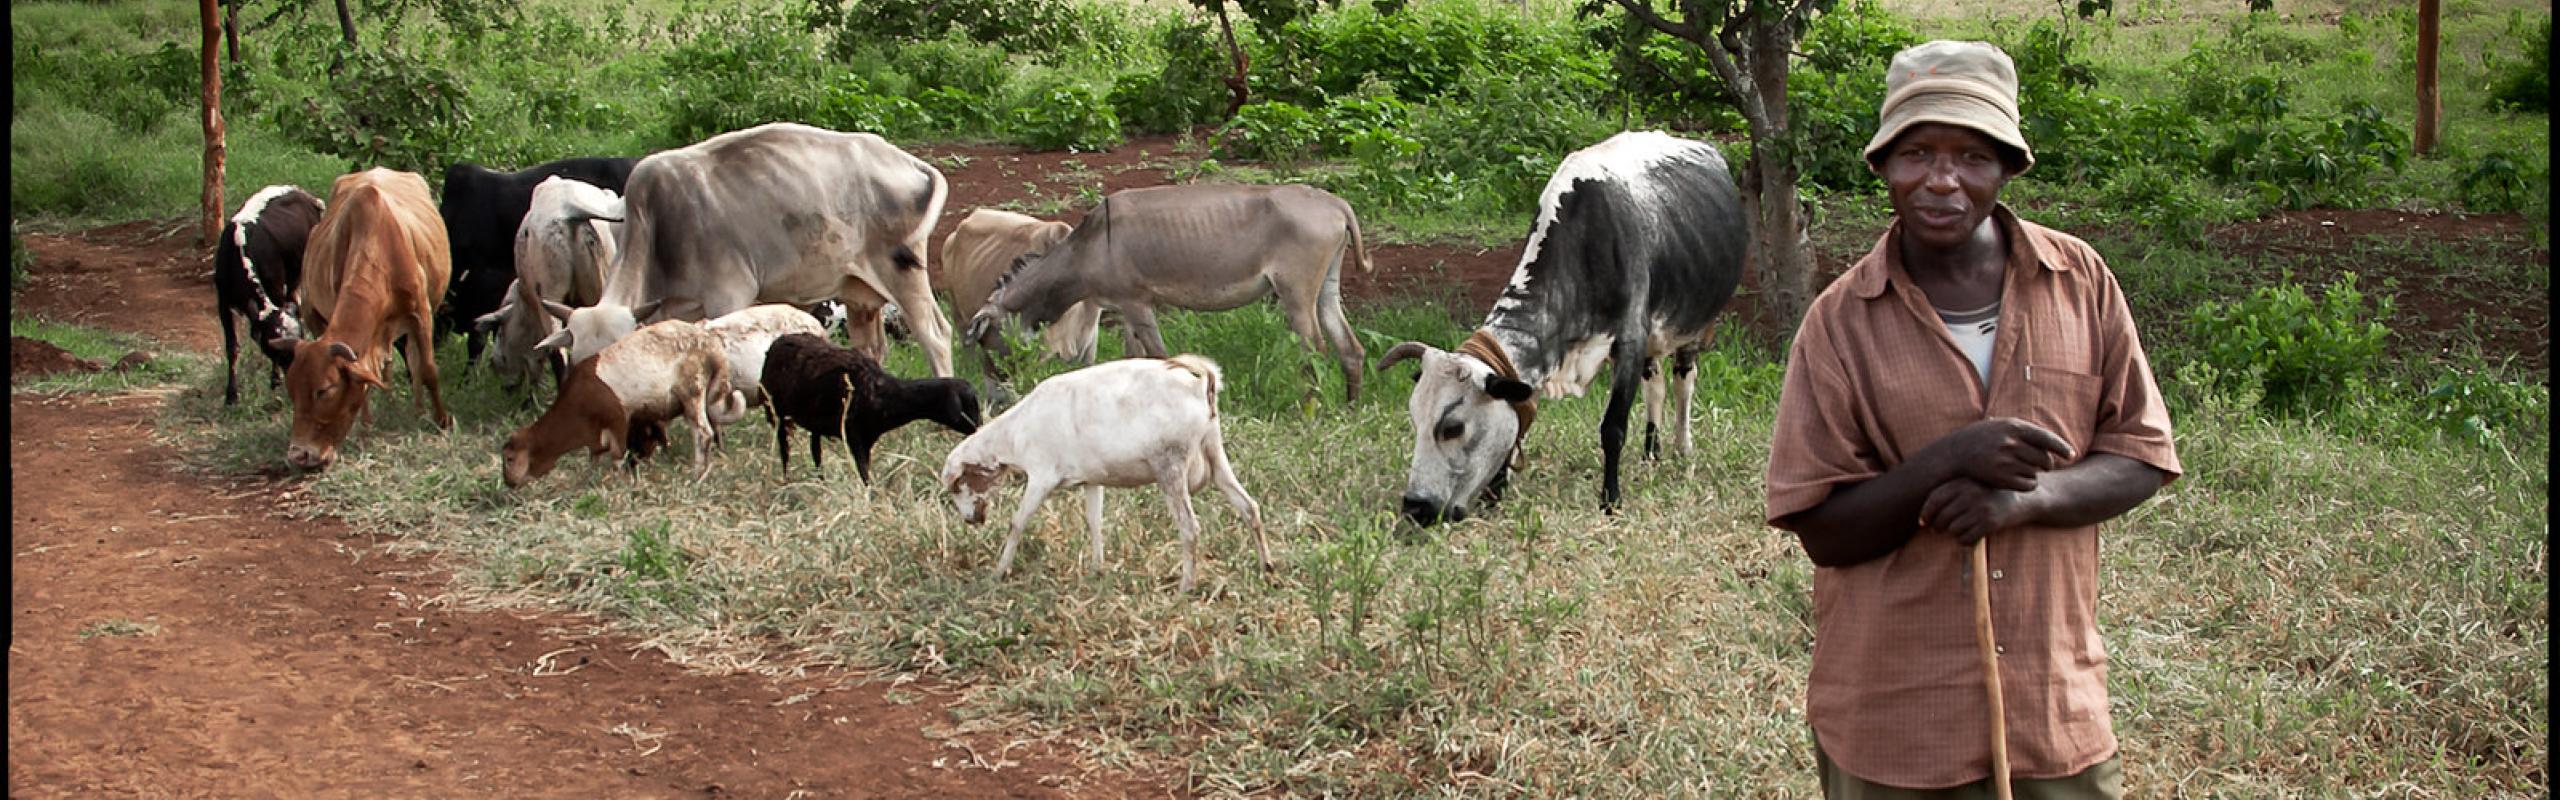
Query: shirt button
x=1995, y=574
x=2001, y=649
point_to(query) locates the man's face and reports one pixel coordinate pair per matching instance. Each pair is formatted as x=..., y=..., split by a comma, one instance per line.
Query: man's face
x=1944, y=179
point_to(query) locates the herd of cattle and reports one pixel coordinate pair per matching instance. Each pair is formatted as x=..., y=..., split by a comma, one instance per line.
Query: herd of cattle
x=688, y=285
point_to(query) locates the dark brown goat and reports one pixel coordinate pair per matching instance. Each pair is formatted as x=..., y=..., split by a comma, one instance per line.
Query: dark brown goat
x=832, y=391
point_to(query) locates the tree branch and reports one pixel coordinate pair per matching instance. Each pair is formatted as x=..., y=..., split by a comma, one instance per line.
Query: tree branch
x=1643, y=12
x=1745, y=94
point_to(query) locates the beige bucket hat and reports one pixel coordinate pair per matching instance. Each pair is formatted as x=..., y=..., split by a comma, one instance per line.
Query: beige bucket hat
x=1971, y=84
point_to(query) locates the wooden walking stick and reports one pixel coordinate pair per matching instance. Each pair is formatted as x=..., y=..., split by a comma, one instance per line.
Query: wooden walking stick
x=1990, y=670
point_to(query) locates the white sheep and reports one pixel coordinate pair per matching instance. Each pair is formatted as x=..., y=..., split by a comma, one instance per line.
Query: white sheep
x=1123, y=423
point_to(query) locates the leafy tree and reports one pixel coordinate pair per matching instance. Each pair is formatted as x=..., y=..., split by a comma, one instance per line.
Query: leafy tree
x=1747, y=44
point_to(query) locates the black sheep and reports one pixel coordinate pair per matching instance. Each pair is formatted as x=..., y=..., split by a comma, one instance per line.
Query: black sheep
x=833, y=391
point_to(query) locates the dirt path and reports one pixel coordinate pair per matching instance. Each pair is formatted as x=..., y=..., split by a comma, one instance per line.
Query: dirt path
x=171, y=636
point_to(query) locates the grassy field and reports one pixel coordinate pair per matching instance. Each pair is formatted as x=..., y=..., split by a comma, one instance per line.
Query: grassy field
x=2347, y=601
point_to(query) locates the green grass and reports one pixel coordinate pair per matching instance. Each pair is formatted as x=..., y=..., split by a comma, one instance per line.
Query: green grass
x=118, y=627
x=2305, y=611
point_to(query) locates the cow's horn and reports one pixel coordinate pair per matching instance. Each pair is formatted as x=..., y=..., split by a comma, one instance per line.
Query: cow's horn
x=1401, y=352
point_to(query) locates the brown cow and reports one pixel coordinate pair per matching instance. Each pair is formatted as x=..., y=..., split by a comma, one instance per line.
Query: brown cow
x=373, y=273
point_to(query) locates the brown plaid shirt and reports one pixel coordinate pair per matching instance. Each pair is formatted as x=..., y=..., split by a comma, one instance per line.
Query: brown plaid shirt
x=1896, y=695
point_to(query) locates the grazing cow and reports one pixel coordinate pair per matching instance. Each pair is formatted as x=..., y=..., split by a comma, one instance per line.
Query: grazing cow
x=561, y=252
x=622, y=397
x=1206, y=247
x=988, y=241
x=481, y=210
x=257, y=265
x=1638, y=243
x=777, y=213
x=1123, y=423
x=831, y=391
x=374, y=268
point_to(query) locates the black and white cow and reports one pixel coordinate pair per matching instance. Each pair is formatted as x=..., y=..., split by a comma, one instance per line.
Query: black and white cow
x=257, y=265
x=777, y=213
x=481, y=209
x=1638, y=244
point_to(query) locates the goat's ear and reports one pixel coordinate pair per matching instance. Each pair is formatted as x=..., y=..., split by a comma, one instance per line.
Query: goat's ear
x=1506, y=389
x=558, y=310
x=640, y=313
x=558, y=340
x=1397, y=354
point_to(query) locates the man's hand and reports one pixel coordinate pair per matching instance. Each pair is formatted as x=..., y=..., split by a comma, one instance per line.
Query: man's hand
x=1968, y=510
x=2003, y=453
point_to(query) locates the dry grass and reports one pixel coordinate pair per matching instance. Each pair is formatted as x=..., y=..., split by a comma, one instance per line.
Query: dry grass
x=2302, y=614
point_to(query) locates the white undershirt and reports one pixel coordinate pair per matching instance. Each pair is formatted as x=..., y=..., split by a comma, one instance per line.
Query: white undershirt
x=1973, y=331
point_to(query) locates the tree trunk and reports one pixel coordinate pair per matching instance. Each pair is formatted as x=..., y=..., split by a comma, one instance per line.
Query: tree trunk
x=346, y=24
x=210, y=228
x=1778, y=235
x=2430, y=106
x=231, y=29
x=1236, y=84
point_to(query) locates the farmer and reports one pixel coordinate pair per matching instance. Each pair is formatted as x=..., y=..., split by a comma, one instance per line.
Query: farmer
x=1975, y=377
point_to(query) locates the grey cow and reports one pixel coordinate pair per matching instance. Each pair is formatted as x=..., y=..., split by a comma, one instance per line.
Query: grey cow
x=1201, y=247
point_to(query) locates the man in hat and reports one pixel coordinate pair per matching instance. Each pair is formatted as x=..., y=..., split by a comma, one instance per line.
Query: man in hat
x=1975, y=377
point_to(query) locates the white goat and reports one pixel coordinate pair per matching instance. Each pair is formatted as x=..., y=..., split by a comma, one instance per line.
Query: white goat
x=1123, y=423
x=746, y=333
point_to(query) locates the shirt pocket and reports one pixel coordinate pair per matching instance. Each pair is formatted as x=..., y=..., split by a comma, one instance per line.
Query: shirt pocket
x=2063, y=400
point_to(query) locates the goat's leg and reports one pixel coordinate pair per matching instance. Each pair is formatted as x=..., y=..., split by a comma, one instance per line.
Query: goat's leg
x=704, y=433
x=1093, y=520
x=1213, y=449
x=1034, y=491
x=1176, y=483
x=782, y=442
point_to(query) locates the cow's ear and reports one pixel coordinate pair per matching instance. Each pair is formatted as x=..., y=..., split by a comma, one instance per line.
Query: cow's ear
x=364, y=375
x=489, y=321
x=557, y=309
x=558, y=340
x=1506, y=389
x=640, y=313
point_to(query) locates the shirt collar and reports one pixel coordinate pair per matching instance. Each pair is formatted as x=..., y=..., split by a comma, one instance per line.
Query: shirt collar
x=1869, y=276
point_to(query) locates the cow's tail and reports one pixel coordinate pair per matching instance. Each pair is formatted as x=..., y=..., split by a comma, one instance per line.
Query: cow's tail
x=1207, y=370
x=1358, y=249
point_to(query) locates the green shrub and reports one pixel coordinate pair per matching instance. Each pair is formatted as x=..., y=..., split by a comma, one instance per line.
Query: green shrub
x=1065, y=115
x=741, y=69
x=388, y=106
x=2497, y=183
x=1832, y=100
x=1189, y=89
x=1275, y=132
x=1504, y=134
x=2524, y=84
x=1021, y=25
x=2301, y=353
x=2479, y=405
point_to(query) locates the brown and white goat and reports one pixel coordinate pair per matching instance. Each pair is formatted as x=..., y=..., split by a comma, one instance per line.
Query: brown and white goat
x=664, y=371
x=1123, y=423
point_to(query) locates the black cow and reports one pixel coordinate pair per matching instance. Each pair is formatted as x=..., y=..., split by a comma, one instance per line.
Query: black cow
x=1638, y=244
x=256, y=267
x=481, y=209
